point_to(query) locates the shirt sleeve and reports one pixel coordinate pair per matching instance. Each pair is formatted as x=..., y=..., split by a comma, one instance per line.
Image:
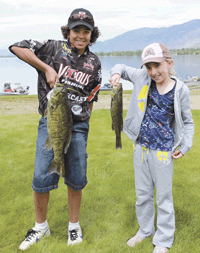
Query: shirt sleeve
x=42, y=49
x=33, y=45
x=186, y=115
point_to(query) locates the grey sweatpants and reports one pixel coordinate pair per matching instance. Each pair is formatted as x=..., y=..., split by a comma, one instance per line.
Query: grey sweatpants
x=154, y=169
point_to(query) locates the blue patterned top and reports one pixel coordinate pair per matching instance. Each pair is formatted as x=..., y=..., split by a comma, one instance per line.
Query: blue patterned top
x=156, y=131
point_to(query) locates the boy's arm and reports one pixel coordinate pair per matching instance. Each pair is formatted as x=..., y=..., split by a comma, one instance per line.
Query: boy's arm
x=28, y=56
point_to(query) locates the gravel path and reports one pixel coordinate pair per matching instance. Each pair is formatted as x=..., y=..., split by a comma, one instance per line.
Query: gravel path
x=30, y=105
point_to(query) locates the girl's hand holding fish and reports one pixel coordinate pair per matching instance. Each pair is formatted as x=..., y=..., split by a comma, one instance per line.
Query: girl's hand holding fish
x=114, y=80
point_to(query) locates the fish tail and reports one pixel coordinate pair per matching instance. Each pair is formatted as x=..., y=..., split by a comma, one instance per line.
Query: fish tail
x=57, y=168
x=118, y=142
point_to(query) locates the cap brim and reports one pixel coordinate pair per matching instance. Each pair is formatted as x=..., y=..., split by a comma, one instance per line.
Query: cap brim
x=81, y=22
x=153, y=59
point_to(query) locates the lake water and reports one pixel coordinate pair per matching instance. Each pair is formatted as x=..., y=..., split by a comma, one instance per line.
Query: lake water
x=14, y=70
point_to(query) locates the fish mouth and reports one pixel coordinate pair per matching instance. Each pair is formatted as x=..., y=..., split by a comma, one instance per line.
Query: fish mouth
x=49, y=94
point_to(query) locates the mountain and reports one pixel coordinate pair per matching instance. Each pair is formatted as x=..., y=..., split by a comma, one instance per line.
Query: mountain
x=186, y=35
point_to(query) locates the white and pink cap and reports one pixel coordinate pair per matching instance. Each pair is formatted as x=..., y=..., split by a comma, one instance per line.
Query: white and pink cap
x=155, y=52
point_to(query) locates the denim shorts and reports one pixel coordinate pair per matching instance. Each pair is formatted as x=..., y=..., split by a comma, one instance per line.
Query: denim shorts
x=75, y=159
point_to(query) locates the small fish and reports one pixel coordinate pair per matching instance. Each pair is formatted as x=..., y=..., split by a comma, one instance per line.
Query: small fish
x=59, y=125
x=117, y=113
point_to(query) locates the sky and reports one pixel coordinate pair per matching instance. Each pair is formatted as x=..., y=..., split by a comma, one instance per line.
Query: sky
x=42, y=19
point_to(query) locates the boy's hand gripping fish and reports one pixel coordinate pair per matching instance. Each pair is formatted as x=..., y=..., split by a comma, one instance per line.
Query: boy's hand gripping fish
x=117, y=113
x=59, y=124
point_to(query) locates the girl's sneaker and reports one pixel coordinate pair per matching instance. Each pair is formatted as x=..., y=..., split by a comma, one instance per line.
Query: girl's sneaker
x=33, y=236
x=74, y=236
x=160, y=250
x=134, y=240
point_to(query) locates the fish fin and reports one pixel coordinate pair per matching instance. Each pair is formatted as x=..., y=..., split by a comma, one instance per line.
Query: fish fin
x=48, y=144
x=62, y=169
x=113, y=127
x=66, y=148
x=45, y=114
x=118, y=143
x=54, y=168
x=57, y=168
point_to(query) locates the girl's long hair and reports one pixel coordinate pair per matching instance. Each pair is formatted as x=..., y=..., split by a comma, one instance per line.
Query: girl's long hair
x=171, y=71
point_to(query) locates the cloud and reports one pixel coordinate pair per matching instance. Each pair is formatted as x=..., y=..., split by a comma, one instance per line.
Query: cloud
x=43, y=19
x=11, y=11
x=186, y=2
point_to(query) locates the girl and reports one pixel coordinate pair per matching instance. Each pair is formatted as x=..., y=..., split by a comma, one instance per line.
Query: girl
x=71, y=62
x=160, y=124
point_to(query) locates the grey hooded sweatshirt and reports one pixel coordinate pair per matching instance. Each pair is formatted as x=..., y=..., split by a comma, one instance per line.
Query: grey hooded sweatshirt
x=182, y=124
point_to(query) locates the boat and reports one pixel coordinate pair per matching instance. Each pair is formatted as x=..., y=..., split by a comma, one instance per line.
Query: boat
x=196, y=78
x=189, y=79
x=107, y=86
x=19, y=90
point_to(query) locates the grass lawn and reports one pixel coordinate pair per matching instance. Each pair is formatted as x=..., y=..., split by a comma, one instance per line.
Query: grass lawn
x=107, y=214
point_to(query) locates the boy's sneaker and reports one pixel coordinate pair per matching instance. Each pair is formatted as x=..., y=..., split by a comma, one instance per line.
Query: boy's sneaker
x=74, y=236
x=33, y=236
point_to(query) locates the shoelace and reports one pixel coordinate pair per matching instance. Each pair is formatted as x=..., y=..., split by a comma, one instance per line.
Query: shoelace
x=73, y=234
x=30, y=234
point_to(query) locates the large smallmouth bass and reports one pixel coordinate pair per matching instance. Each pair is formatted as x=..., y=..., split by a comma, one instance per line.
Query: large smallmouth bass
x=59, y=124
x=117, y=113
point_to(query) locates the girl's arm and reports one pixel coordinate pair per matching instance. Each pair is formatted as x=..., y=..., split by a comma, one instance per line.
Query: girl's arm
x=126, y=73
x=187, y=120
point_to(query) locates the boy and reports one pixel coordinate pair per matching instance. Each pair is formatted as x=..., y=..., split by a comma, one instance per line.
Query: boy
x=71, y=62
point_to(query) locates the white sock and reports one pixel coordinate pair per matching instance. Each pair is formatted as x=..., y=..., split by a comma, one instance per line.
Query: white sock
x=73, y=225
x=39, y=226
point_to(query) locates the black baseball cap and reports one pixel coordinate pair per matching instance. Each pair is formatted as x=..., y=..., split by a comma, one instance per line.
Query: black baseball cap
x=81, y=17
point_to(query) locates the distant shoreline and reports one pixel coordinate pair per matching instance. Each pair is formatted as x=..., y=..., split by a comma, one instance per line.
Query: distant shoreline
x=7, y=56
x=29, y=104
